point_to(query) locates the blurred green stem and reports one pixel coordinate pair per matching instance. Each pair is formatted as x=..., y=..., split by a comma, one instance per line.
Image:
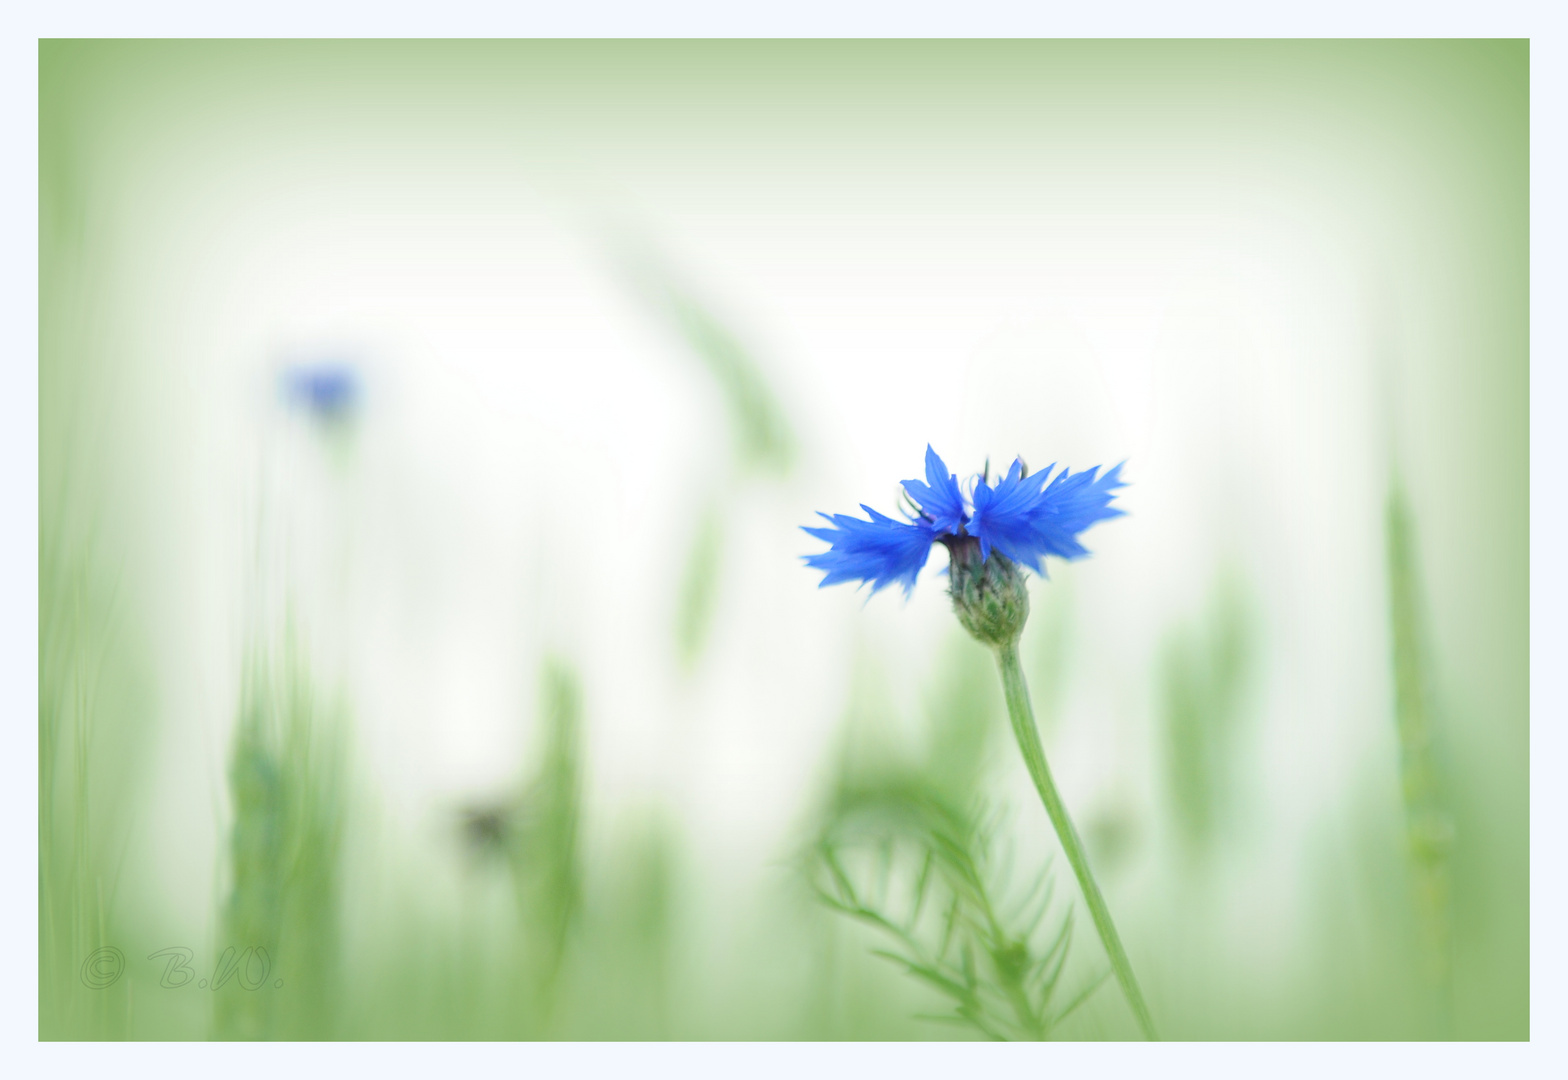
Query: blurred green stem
x=1022, y=716
x=1428, y=824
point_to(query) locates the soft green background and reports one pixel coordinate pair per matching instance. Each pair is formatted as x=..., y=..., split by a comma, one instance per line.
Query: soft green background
x=864, y=201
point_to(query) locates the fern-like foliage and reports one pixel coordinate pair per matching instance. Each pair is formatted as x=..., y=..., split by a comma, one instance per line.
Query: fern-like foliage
x=899, y=856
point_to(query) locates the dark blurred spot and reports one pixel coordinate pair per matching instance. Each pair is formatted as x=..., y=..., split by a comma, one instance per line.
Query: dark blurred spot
x=486, y=829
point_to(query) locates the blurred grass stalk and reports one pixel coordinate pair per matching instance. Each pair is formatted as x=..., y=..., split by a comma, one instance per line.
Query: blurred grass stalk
x=544, y=851
x=1204, y=672
x=762, y=443
x=278, y=954
x=1429, y=825
x=92, y=680
x=699, y=587
x=78, y=874
x=533, y=836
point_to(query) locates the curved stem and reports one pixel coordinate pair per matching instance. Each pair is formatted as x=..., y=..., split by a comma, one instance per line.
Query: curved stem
x=1022, y=716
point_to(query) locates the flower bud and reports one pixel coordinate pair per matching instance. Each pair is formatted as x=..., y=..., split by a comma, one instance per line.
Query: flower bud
x=989, y=595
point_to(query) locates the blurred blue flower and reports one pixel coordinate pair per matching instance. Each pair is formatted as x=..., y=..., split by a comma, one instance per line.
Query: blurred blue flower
x=1023, y=517
x=329, y=391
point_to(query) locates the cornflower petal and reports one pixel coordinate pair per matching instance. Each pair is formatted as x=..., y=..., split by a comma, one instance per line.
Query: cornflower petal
x=939, y=497
x=1026, y=520
x=1001, y=517
x=880, y=551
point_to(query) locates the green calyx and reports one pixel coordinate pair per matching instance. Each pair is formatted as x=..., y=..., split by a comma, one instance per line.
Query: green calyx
x=989, y=595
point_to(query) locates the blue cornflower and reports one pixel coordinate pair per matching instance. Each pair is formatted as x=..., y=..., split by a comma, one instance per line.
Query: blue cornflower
x=990, y=537
x=1023, y=517
x=330, y=391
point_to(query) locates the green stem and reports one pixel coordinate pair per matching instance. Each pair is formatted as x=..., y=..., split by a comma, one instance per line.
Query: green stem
x=1022, y=716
